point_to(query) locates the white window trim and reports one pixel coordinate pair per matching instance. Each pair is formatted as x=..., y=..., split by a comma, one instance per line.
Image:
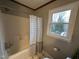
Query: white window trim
x=74, y=7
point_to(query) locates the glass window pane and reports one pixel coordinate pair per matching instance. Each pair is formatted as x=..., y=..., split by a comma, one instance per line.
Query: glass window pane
x=60, y=22
x=61, y=16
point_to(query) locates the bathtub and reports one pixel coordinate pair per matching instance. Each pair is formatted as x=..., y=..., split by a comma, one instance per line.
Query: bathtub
x=25, y=54
x=21, y=55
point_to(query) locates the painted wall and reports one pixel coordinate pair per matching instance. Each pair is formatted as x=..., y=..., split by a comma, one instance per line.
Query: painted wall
x=16, y=24
x=16, y=32
x=66, y=49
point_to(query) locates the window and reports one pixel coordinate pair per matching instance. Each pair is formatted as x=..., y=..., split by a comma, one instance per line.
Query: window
x=35, y=29
x=62, y=21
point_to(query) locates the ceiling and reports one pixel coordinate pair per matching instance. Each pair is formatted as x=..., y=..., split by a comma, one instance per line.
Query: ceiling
x=33, y=4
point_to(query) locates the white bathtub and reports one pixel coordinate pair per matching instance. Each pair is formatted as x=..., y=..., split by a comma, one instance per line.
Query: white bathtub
x=25, y=54
x=21, y=55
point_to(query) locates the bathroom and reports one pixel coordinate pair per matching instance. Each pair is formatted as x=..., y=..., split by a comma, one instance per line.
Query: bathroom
x=16, y=21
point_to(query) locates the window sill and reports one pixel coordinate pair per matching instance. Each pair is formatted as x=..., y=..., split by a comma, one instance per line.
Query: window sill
x=59, y=37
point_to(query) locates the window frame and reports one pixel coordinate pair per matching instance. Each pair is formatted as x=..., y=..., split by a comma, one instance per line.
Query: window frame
x=74, y=8
x=55, y=23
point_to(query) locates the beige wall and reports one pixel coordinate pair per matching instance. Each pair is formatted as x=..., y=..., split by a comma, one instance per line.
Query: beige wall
x=16, y=24
x=66, y=49
x=16, y=32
